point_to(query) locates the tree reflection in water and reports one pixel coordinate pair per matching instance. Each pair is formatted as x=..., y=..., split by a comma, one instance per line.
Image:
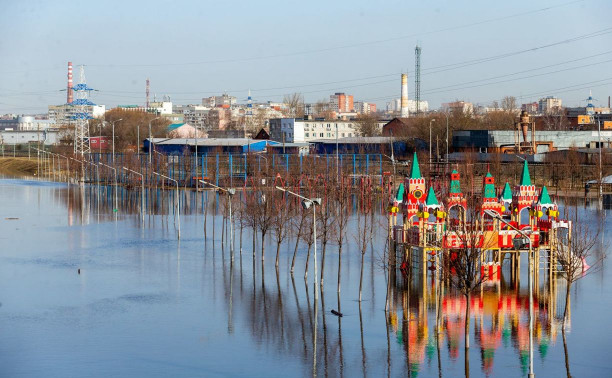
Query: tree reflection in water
x=294, y=327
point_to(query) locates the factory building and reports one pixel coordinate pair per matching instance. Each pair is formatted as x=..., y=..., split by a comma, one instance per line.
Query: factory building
x=16, y=137
x=26, y=123
x=505, y=141
x=174, y=146
x=360, y=145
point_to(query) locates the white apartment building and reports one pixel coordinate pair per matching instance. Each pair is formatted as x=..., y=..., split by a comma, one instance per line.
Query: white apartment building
x=297, y=130
x=458, y=106
x=63, y=114
x=395, y=105
x=548, y=104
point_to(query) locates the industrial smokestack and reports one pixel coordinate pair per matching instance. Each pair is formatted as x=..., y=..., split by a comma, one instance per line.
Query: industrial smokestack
x=69, y=88
x=147, y=95
x=404, y=103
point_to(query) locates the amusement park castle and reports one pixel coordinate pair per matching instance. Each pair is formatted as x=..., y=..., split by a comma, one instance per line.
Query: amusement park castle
x=501, y=224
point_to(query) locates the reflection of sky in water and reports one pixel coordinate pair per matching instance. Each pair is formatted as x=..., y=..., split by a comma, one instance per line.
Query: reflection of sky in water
x=145, y=305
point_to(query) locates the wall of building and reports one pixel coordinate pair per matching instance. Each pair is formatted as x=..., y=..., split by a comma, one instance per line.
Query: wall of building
x=47, y=137
x=299, y=130
x=497, y=140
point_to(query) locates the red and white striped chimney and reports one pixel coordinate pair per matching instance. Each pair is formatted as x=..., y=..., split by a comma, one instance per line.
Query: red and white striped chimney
x=69, y=89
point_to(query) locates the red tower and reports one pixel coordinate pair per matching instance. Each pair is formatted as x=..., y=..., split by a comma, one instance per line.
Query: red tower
x=69, y=88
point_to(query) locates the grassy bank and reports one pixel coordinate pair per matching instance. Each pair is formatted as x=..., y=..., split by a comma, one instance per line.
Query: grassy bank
x=17, y=166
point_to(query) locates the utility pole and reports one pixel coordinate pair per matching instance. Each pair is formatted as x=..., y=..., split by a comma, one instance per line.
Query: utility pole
x=417, y=78
x=151, y=139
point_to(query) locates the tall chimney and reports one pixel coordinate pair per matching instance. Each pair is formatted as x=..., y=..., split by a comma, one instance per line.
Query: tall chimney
x=404, y=103
x=147, y=95
x=69, y=88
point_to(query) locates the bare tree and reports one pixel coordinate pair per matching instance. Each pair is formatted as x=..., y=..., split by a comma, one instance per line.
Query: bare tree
x=328, y=227
x=464, y=260
x=342, y=218
x=367, y=125
x=571, y=252
x=260, y=213
x=555, y=119
x=281, y=222
x=363, y=236
x=508, y=104
x=295, y=105
x=298, y=222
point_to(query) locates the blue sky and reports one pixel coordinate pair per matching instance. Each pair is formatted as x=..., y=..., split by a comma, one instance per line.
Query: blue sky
x=193, y=49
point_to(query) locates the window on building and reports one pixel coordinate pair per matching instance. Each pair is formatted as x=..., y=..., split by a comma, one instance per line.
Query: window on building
x=343, y=135
x=328, y=135
x=306, y=134
x=321, y=135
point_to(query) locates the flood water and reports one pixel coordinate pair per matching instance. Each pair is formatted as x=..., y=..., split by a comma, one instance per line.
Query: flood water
x=145, y=304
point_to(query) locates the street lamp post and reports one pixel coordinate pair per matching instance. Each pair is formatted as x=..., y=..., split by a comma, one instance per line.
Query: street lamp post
x=97, y=172
x=306, y=204
x=392, y=158
x=82, y=170
x=142, y=201
x=176, y=203
x=115, y=181
x=230, y=192
x=600, y=167
x=151, y=139
x=337, y=156
x=446, y=114
x=430, y=122
x=113, y=127
x=494, y=215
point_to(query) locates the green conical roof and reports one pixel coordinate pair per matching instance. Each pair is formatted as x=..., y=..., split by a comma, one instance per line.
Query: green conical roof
x=431, y=198
x=525, y=178
x=415, y=172
x=489, y=189
x=400, y=193
x=544, y=197
x=507, y=193
x=455, y=185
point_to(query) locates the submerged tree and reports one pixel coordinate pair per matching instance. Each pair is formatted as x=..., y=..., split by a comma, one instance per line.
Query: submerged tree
x=464, y=260
x=571, y=253
x=281, y=222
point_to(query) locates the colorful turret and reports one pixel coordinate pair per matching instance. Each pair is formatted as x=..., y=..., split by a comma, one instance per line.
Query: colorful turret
x=416, y=190
x=455, y=197
x=545, y=205
x=489, y=199
x=524, y=194
x=433, y=206
x=506, y=197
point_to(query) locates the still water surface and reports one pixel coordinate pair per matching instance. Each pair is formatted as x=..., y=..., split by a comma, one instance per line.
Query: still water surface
x=147, y=305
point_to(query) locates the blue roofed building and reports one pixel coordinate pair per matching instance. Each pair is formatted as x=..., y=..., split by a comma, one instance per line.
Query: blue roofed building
x=175, y=146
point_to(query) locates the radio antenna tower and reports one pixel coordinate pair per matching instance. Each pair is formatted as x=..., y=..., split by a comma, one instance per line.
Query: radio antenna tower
x=147, y=95
x=82, y=115
x=417, y=78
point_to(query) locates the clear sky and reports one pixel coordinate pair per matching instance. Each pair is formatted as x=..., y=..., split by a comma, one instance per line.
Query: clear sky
x=194, y=49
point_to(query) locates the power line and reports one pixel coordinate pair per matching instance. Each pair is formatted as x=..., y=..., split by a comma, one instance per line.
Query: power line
x=432, y=70
x=342, y=47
